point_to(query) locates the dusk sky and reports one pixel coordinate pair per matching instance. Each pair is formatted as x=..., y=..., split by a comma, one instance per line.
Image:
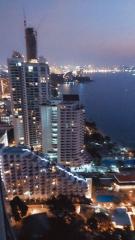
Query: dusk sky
x=100, y=32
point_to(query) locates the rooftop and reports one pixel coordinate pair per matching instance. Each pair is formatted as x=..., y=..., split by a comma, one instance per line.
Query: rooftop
x=125, y=178
x=121, y=217
x=15, y=150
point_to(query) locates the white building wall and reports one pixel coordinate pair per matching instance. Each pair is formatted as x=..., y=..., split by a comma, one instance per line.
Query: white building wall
x=50, y=129
x=16, y=73
x=30, y=176
x=46, y=128
x=70, y=133
x=29, y=89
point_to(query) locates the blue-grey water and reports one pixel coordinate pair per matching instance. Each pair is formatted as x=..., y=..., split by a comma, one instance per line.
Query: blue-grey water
x=110, y=101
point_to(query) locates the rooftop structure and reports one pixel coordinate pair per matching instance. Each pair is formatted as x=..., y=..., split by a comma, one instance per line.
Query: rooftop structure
x=31, y=43
x=124, y=181
x=121, y=218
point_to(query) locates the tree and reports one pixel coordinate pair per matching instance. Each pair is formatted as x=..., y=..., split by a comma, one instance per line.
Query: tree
x=15, y=211
x=97, y=137
x=65, y=223
x=107, y=138
x=19, y=208
x=91, y=125
x=60, y=206
x=61, y=229
x=100, y=222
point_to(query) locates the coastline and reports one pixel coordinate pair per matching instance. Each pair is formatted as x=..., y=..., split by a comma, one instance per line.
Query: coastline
x=109, y=101
x=100, y=146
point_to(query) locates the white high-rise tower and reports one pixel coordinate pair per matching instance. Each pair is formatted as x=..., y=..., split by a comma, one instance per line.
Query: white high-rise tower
x=63, y=130
x=29, y=84
x=71, y=117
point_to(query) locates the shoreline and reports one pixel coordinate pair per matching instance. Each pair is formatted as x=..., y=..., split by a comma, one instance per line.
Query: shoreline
x=100, y=145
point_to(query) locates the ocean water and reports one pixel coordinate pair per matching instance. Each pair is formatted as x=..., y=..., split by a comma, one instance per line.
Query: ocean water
x=109, y=101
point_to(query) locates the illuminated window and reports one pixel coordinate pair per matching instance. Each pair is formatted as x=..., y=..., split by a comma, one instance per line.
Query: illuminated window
x=19, y=64
x=30, y=68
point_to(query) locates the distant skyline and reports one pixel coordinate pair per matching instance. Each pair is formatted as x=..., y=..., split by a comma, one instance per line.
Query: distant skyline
x=99, y=32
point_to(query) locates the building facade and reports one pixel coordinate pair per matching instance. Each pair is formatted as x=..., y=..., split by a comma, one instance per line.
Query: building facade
x=29, y=86
x=32, y=176
x=71, y=117
x=16, y=76
x=31, y=43
x=50, y=127
x=63, y=130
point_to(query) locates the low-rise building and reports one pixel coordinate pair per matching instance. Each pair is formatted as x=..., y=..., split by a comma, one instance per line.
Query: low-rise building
x=124, y=181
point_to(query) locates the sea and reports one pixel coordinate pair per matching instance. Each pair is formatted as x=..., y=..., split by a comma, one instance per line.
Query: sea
x=109, y=101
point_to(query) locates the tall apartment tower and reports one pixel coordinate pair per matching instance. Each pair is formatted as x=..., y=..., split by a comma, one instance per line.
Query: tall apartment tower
x=16, y=75
x=63, y=130
x=49, y=113
x=71, y=117
x=29, y=84
x=31, y=43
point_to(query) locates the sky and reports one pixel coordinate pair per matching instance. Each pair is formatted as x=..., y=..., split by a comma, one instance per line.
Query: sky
x=79, y=32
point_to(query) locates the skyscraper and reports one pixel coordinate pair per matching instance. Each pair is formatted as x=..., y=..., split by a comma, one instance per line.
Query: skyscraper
x=63, y=130
x=49, y=113
x=31, y=43
x=71, y=116
x=29, y=84
x=16, y=76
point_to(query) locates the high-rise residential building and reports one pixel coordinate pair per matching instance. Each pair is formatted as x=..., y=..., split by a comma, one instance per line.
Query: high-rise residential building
x=29, y=85
x=49, y=113
x=16, y=76
x=32, y=176
x=31, y=43
x=63, y=130
x=71, y=117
